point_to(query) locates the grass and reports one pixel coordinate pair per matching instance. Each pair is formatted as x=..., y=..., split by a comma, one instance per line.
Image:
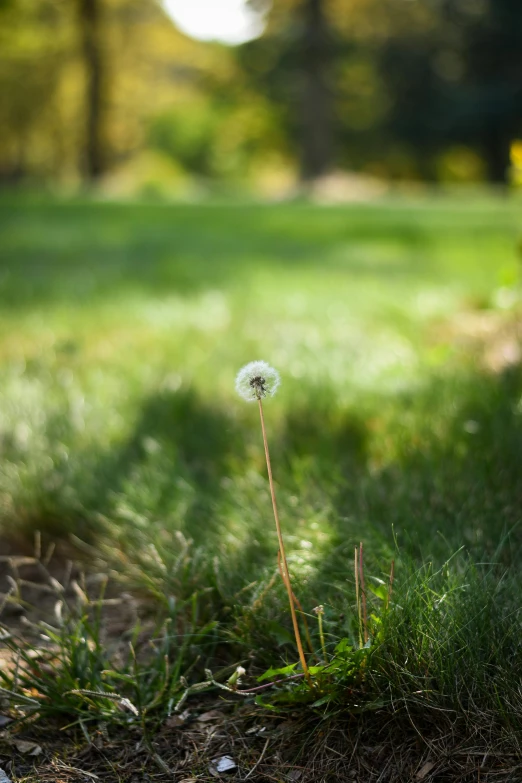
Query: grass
x=398, y=423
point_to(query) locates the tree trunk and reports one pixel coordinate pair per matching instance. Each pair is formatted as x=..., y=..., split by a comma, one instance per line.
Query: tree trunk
x=316, y=119
x=90, y=30
x=497, y=148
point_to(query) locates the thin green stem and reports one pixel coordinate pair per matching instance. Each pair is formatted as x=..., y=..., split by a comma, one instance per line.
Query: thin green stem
x=321, y=636
x=390, y=585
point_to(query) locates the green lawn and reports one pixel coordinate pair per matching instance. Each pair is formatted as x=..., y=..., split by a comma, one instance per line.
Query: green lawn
x=122, y=327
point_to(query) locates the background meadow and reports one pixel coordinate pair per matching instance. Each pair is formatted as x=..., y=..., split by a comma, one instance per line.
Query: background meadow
x=398, y=423
x=392, y=326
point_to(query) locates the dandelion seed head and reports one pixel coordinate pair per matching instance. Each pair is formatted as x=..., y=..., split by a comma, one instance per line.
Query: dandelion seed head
x=257, y=380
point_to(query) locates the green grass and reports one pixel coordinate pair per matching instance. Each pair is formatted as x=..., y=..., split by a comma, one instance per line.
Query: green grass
x=122, y=327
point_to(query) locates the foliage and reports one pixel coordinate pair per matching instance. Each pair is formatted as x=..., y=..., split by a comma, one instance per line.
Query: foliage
x=398, y=86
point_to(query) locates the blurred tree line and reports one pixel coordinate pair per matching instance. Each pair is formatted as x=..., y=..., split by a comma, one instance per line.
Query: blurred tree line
x=424, y=89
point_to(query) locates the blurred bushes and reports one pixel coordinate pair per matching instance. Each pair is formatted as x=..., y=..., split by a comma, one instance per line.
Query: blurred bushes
x=187, y=137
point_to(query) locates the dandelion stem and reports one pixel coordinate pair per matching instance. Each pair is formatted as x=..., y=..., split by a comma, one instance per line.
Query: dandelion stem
x=285, y=572
x=298, y=604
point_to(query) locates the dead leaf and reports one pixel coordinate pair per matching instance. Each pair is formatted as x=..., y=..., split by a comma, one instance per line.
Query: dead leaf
x=256, y=730
x=424, y=770
x=210, y=715
x=222, y=764
x=174, y=722
x=28, y=748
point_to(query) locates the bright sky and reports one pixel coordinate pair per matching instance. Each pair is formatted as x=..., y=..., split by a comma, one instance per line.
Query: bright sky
x=229, y=21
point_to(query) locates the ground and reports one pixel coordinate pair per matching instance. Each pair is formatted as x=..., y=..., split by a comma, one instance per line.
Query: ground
x=395, y=328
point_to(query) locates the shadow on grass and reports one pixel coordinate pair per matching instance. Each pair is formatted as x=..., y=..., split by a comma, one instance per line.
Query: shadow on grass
x=438, y=469
x=171, y=469
x=169, y=473
x=454, y=480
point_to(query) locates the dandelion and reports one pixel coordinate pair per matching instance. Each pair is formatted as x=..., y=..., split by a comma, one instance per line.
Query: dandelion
x=255, y=381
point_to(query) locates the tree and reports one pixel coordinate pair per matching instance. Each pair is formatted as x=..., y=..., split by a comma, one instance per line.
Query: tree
x=319, y=62
x=491, y=87
x=316, y=98
x=94, y=73
x=459, y=82
x=291, y=64
x=90, y=22
x=35, y=47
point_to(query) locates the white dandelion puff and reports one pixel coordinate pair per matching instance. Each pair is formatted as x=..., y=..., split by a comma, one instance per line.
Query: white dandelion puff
x=257, y=380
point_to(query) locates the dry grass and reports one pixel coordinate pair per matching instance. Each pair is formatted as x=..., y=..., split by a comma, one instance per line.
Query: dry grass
x=373, y=749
